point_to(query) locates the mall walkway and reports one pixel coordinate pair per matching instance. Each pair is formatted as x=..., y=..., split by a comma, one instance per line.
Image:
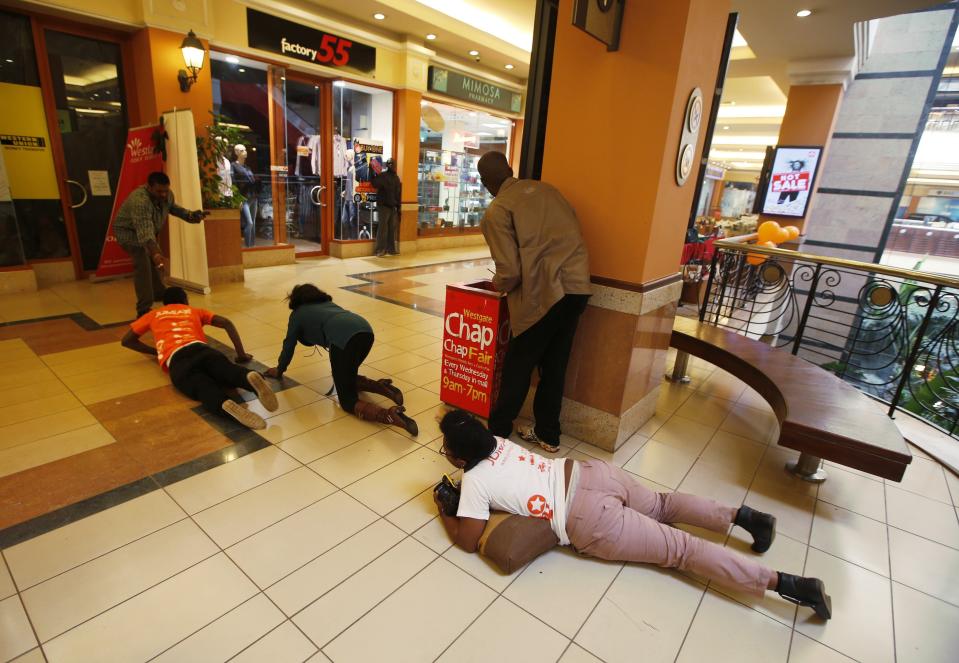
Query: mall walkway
x=317, y=539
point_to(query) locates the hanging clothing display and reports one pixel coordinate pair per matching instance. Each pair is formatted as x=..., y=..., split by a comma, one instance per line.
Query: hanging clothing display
x=308, y=156
x=225, y=172
x=339, y=156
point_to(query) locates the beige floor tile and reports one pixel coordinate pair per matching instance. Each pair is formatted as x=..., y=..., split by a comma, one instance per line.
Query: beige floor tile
x=927, y=629
x=757, y=637
x=685, y=435
x=309, y=372
x=619, y=457
x=288, y=399
x=705, y=410
x=852, y=537
x=7, y=588
x=396, y=629
x=69, y=546
x=260, y=507
x=854, y=492
x=751, y=398
x=434, y=536
x=853, y=470
x=655, y=422
x=417, y=512
x=661, y=463
x=228, y=635
x=158, y=618
x=926, y=478
x=280, y=549
x=305, y=585
x=861, y=605
x=284, y=644
x=418, y=401
x=576, y=654
x=922, y=516
x=14, y=414
x=208, y=488
x=328, y=438
x=924, y=565
x=726, y=449
x=561, y=588
x=16, y=636
x=793, y=511
x=787, y=555
x=71, y=598
x=772, y=471
x=336, y=610
x=422, y=374
x=953, y=482
x=399, y=363
x=112, y=387
x=751, y=423
x=480, y=568
x=648, y=610
x=32, y=656
x=16, y=375
x=519, y=636
x=32, y=392
x=286, y=425
x=384, y=351
x=723, y=385
x=671, y=397
x=364, y=457
x=723, y=483
x=411, y=343
x=433, y=387
x=432, y=351
x=397, y=483
x=807, y=650
x=55, y=447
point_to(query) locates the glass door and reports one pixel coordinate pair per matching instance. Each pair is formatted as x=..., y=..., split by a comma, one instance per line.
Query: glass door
x=91, y=117
x=304, y=153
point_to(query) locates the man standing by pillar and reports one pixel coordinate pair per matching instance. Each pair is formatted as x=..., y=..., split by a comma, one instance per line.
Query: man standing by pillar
x=139, y=221
x=542, y=265
x=389, y=193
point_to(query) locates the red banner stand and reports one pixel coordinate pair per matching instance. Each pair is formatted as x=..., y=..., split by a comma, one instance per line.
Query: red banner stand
x=475, y=338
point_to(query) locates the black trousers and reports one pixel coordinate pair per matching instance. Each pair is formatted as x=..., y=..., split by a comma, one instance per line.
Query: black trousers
x=546, y=345
x=204, y=374
x=345, y=363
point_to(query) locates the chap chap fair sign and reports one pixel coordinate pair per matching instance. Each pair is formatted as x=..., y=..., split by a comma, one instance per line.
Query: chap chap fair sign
x=475, y=337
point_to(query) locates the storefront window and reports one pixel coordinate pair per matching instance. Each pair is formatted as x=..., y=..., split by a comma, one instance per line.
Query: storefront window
x=362, y=142
x=242, y=96
x=304, y=155
x=452, y=140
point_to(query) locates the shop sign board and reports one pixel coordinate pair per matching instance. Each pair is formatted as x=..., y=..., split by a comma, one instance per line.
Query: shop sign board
x=475, y=338
x=601, y=19
x=791, y=181
x=474, y=90
x=293, y=40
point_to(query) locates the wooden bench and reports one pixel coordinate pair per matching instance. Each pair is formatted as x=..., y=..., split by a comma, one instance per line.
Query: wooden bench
x=819, y=415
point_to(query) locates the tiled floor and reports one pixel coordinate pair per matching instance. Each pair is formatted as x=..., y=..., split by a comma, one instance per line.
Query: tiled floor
x=321, y=544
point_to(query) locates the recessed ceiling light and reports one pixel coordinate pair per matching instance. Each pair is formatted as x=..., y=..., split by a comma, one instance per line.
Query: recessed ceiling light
x=379, y=17
x=339, y=84
x=241, y=70
x=9, y=60
x=726, y=127
x=232, y=59
x=803, y=13
x=509, y=66
x=431, y=36
x=732, y=103
x=474, y=53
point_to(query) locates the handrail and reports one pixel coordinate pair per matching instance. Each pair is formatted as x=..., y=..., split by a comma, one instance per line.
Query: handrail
x=739, y=244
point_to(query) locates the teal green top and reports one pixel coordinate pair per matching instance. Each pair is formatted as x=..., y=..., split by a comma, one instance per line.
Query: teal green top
x=323, y=324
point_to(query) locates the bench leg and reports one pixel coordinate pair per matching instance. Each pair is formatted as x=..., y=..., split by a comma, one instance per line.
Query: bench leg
x=679, y=369
x=808, y=468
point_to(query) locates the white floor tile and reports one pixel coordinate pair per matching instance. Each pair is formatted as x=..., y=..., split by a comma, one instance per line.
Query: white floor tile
x=32, y=656
x=706, y=410
x=7, y=588
x=924, y=565
x=927, y=629
x=922, y=516
x=648, y=610
x=576, y=654
x=284, y=644
x=328, y=438
x=158, y=618
x=55, y=552
x=286, y=425
x=725, y=630
x=807, y=650
x=416, y=513
x=751, y=423
x=852, y=537
x=203, y=490
x=481, y=568
x=228, y=635
x=854, y=492
x=926, y=478
x=397, y=483
x=284, y=547
x=518, y=636
x=793, y=511
x=364, y=457
x=336, y=610
x=250, y=512
x=288, y=399
x=16, y=636
x=619, y=457
x=408, y=626
x=561, y=588
x=661, y=463
x=685, y=435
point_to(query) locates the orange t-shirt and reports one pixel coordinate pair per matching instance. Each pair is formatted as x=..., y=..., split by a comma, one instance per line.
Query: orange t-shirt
x=173, y=326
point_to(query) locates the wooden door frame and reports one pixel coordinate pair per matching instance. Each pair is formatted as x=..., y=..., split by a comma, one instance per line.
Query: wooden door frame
x=39, y=24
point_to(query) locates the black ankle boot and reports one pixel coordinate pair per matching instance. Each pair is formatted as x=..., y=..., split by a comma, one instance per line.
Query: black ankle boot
x=808, y=592
x=761, y=525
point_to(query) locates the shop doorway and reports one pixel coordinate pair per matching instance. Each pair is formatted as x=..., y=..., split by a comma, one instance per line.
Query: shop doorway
x=306, y=189
x=91, y=124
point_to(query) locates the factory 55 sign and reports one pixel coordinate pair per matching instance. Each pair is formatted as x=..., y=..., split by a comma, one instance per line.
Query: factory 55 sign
x=276, y=35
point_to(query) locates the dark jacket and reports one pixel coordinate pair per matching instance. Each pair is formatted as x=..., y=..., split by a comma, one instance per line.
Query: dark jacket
x=389, y=189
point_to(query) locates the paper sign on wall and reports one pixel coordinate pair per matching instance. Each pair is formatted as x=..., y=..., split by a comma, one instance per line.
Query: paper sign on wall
x=99, y=182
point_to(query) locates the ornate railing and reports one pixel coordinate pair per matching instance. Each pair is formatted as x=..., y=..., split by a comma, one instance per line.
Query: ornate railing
x=893, y=333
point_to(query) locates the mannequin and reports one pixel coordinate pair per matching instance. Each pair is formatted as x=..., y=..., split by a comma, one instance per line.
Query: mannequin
x=348, y=206
x=245, y=181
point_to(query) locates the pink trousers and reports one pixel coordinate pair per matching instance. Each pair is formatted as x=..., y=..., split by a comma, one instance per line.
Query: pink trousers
x=615, y=517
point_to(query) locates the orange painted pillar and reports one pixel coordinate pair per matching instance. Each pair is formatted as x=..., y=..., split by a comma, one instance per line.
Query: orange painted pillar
x=613, y=134
x=407, y=105
x=811, y=112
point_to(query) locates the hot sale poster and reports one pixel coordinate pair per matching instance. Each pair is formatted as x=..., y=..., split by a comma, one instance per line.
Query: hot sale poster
x=791, y=181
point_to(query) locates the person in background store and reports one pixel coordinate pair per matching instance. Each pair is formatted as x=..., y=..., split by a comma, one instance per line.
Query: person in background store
x=245, y=182
x=139, y=221
x=543, y=267
x=389, y=194
x=317, y=321
x=197, y=370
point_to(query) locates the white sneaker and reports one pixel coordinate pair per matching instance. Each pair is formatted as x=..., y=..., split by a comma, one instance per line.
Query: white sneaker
x=529, y=435
x=263, y=391
x=244, y=416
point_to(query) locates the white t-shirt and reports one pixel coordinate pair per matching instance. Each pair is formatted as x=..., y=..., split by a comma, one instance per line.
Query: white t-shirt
x=518, y=481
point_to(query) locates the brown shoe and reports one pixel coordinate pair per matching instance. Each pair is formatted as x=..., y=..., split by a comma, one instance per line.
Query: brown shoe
x=244, y=416
x=393, y=416
x=383, y=387
x=263, y=391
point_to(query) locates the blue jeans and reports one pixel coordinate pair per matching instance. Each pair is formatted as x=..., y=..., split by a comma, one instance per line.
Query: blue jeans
x=248, y=220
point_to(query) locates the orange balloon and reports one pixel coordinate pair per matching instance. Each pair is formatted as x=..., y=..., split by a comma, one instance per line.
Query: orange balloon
x=783, y=236
x=769, y=231
x=755, y=259
x=768, y=245
x=793, y=232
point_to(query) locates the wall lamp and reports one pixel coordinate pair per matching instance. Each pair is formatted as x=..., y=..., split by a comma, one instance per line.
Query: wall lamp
x=193, y=53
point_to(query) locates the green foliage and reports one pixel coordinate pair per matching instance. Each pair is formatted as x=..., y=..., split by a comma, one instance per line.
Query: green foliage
x=217, y=144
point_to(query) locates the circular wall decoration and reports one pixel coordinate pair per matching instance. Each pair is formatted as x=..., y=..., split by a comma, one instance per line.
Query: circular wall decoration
x=692, y=121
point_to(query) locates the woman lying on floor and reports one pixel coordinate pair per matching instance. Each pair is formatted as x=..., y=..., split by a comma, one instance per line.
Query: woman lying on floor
x=602, y=511
x=316, y=320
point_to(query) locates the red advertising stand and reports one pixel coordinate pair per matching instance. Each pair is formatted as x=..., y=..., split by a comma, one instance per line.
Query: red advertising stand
x=475, y=337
